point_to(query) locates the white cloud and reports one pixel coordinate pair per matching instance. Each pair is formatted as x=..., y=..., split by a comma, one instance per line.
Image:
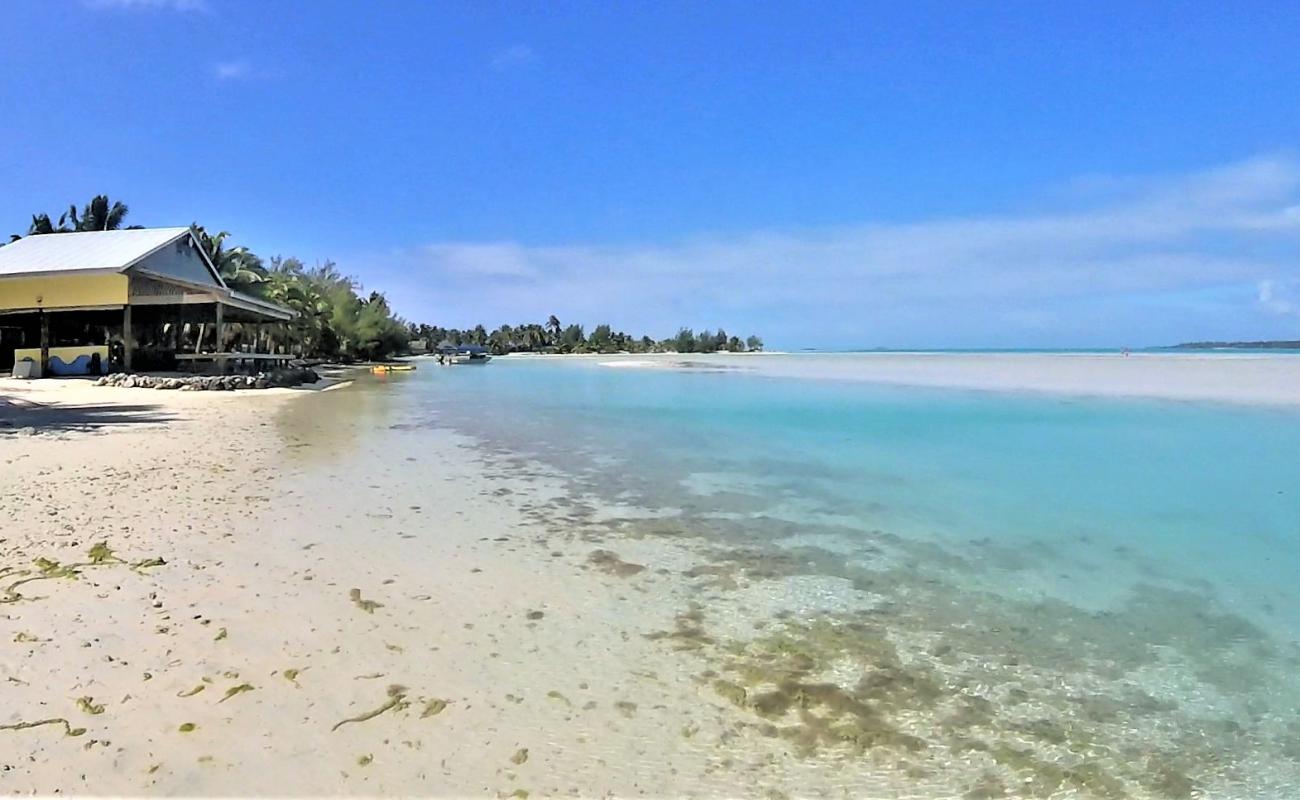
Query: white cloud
x=1164, y=239
x=232, y=70
x=1277, y=299
x=512, y=57
x=170, y=5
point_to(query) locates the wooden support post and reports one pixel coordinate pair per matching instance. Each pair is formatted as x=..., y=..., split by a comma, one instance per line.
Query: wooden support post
x=128, y=340
x=45, y=344
x=221, y=332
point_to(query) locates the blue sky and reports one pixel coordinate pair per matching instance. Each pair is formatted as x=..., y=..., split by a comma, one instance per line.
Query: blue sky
x=857, y=174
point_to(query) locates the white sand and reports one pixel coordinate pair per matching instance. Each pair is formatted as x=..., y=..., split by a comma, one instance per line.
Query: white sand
x=265, y=531
x=1237, y=378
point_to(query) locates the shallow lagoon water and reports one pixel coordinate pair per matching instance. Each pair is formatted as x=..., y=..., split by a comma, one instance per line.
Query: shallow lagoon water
x=1090, y=597
x=1174, y=491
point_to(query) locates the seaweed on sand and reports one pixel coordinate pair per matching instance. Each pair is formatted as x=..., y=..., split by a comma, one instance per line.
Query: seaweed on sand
x=100, y=555
x=555, y=694
x=234, y=690
x=88, y=705
x=396, y=702
x=68, y=730
x=688, y=634
x=367, y=606
x=608, y=561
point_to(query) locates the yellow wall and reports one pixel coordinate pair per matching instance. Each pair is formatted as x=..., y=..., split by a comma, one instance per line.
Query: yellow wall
x=62, y=291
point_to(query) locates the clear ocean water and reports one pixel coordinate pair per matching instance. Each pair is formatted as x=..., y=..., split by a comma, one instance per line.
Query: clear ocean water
x=1129, y=565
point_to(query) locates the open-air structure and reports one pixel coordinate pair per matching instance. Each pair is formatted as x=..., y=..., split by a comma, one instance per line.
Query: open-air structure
x=148, y=298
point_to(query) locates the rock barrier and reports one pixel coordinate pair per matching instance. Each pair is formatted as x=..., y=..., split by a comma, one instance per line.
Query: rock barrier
x=289, y=376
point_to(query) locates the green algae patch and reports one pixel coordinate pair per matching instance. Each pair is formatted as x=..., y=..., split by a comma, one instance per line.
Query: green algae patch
x=68, y=730
x=556, y=695
x=366, y=760
x=730, y=691
x=433, y=707
x=101, y=553
x=1046, y=778
x=192, y=692
x=688, y=632
x=291, y=675
x=396, y=702
x=609, y=562
x=221, y=634
x=367, y=606
x=49, y=568
x=235, y=690
x=774, y=677
x=44, y=569
x=88, y=705
x=187, y=727
x=520, y=756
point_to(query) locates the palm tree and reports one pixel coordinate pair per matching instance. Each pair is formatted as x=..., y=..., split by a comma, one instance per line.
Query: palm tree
x=239, y=267
x=41, y=224
x=531, y=336
x=99, y=215
x=553, y=327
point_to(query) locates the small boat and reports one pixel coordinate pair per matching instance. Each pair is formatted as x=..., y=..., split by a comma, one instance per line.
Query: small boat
x=462, y=354
x=381, y=369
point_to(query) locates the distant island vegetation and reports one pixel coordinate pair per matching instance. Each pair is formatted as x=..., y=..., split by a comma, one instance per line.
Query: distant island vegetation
x=336, y=320
x=556, y=338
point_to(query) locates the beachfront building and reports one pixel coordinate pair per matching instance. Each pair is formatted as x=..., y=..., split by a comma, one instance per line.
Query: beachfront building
x=148, y=298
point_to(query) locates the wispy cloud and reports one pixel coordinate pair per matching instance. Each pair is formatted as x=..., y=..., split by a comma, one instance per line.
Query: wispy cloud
x=1278, y=299
x=232, y=70
x=1150, y=242
x=513, y=57
x=167, y=5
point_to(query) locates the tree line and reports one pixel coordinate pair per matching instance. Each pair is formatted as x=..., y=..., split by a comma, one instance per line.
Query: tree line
x=554, y=337
x=334, y=318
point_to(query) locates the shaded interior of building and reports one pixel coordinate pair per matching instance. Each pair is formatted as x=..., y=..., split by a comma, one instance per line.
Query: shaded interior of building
x=156, y=334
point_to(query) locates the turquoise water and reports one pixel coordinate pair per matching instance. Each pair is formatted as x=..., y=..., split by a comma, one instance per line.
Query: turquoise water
x=1073, y=548
x=1202, y=492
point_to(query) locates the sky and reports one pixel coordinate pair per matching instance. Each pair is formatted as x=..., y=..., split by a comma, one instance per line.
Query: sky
x=830, y=175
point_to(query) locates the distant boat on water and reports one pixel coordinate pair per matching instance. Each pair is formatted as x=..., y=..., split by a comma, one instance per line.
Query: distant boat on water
x=449, y=353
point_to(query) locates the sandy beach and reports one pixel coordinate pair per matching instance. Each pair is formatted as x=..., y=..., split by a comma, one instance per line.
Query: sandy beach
x=303, y=633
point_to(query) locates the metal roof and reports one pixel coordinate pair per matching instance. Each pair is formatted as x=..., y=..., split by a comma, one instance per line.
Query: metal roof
x=83, y=251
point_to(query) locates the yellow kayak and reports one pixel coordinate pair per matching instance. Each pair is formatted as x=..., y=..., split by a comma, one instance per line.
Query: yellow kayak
x=379, y=369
